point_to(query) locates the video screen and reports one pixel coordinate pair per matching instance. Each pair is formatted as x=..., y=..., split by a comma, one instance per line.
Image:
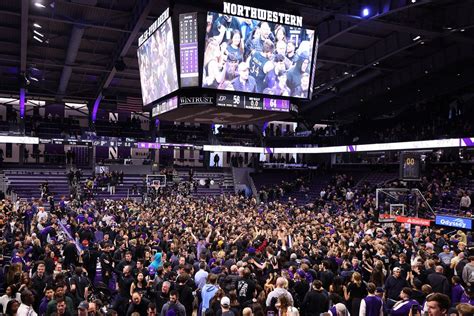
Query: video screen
x=157, y=64
x=255, y=56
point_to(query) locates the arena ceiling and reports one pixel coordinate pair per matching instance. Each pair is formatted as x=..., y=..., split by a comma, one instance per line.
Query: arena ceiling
x=401, y=51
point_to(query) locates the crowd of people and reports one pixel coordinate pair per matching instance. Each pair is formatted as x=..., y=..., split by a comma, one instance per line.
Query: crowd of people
x=228, y=255
x=252, y=56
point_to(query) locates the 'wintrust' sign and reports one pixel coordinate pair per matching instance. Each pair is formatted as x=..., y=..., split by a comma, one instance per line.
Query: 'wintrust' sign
x=455, y=222
x=196, y=100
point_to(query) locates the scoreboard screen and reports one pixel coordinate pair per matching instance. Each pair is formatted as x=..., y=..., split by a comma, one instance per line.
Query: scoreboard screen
x=410, y=166
x=253, y=102
x=188, y=50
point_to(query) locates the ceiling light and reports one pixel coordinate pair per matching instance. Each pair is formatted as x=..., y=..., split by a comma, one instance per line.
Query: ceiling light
x=462, y=30
x=37, y=25
x=38, y=39
x=361, y=100
x=458, y=74
x=413, y=1
x=34, y=79
x=38, y=33
x=345, y=73
x=39, y=5
x=365, y=12
x=388, y=88
x=422, y=43
x=416, y=38
x=426, y=71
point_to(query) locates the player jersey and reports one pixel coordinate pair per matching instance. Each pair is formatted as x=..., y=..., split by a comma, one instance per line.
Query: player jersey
x=256, y=70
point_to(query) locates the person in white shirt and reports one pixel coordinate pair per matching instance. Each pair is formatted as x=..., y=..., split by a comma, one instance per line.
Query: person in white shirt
x=349, y=195
x=11, y=294
x=26, y=308
x=42, y=214
x=322, y=194
x=281, y=285
x=465, y=201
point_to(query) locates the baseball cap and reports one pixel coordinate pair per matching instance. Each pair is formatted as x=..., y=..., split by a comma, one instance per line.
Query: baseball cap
x=83, y=305
x=397, y=269
x=225, y=301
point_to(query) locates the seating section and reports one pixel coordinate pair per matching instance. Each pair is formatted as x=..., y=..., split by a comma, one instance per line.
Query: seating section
x=303, y=191
x=376, y=178
x=223, y=182
x=26, y=184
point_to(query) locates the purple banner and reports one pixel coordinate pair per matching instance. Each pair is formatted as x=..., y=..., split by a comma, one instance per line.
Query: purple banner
x=468, y=141
x=351, y=148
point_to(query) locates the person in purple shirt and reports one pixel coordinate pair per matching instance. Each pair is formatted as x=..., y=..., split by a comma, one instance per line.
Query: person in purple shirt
x=43, y=306
x=19, y=258
x=403, y=307
x=457, y=290
x=371, y=305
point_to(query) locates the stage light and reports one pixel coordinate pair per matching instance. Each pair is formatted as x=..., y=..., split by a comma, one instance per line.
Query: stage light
x=37, y=25
x=413, y=1
x=38, y=39
x=345, y=73
x=365, y=12
x=416, y=38
x=39, y=5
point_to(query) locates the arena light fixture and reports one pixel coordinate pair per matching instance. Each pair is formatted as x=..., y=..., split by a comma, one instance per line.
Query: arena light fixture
x=365, y=12
x=37, y=25
x=462, y=30
x=39, y=5
x=38, y=33
x=38, y=39
x=416, y=38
